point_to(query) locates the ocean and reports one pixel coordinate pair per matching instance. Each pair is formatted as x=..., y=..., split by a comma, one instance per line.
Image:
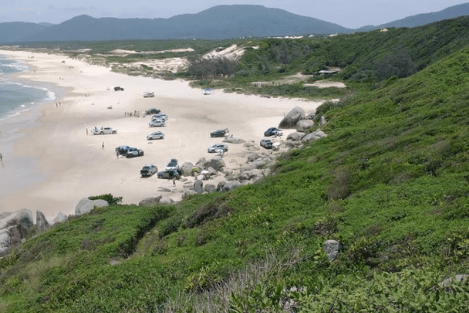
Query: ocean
x=16, y=97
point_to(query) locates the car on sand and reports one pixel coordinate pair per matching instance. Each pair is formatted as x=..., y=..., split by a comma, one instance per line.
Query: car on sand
x=169, y=174
x=152, y=111
x=148, y=94
x=122, y=150
x=266, y=143
x=160, y=116
x=157, y=123
x=219, y=133
x=156, y=135
x=134, y=152
x=172, y=165
x=104, y=131
x=218, y=147
x=273, y=131
x=148, y=170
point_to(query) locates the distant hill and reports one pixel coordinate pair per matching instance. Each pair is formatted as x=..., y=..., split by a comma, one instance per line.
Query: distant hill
x=423, y=19
x=219, y=22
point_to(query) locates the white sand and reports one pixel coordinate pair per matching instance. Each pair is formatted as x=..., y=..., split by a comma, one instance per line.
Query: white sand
x=77, y=166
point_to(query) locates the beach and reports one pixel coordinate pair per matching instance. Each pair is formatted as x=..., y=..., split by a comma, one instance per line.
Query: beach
x=67, y=163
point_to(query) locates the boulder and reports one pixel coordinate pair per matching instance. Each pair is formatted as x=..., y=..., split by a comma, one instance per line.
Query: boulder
x=331, y=249
x=292, y=144
x=234, y=140
x=41, y=221
x=150, y=201
x=11, y=236
x=212, y=171
x=210, y=188
x=186, y=168
x=221, y=185
x=290, y=120
x=217, y=163
x=304, y=125
x=85, y=205
x=231, y=185
x=322, y=121
x=314, y=136
x=61, y=217
x=256, y=164
x=244, y=176
x=23, y=217
x=199, y=186
x=257, y=174
x=459, y=277
x=188, y=193
x=253, y=157
x=310, y=116
x=201, y=163
x=164, y=200
x=296, y=136
x=250, y=143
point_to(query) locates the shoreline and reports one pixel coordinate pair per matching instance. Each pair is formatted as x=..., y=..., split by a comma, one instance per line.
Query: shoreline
x=75, y=164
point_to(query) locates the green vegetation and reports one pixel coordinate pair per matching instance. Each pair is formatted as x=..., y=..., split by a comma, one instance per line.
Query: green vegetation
x=390, y=183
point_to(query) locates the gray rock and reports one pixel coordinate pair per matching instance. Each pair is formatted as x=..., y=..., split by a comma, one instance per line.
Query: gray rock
x=11, y=236
x=201, y=163
x=292, y=144
x=217, y=163
x=459, y=277
x=61, y=217
x=257, y=174
x=85, y=205
x=166, y=200
x=304, y=125
x=250, y=143
x=318, y=134
x=23, y=217
x=256, y=164
x=310, y=116
x=331, y=249
x=231, y=185
x=186, y=168
x=210, y=188
x=290, y=120
x=41, y=221
x=188, y=193
x=212, y=171
x=150, y=201
x=244, y=176
x=199, y=186
x=253, y=157
x=322, y=121
x=163, y=189
x=296, y=136
x=234, y=140
x=221, y=185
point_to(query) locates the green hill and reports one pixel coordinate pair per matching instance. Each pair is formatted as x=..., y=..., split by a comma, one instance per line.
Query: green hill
x=390, y=183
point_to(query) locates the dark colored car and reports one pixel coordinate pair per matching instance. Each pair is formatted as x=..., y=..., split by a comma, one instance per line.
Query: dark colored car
x=148, y=170
x=219, y=133
x=169, y=174
x=152, y=111
x=173, y=164
x=134, y=152
x=122, y=150
x=118, y=88
x=273, y=131
x=266, y=143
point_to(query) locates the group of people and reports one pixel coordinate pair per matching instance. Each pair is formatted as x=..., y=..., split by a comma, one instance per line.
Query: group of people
x=135, y=113
x=57, y=104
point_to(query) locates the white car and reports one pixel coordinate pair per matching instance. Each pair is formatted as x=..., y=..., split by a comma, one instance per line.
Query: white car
x=104, y=131
x=148, y=94
x=156, y=135
x=218, y=147
x=160, y=116
x=157, y=123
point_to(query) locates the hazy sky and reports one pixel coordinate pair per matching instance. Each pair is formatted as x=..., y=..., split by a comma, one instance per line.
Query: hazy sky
x=348, y=13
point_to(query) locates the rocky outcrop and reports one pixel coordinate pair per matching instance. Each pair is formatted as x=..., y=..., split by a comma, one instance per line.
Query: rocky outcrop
x=290, y=120
x=231, y=185
x=150, y=201
x=199, y=186
x=212, y=171
x=210, y=188
x=60, y=218
x=186, y=168
x=188, y=193
x=13, y=228
x=314, y=136
x=201, y=163
x=234, y=140
x=217, y=163
x=23, y=217
x=165, y=200
x=85, y=205
x=295, y=136
x=41, y=221
x=221, y=185
x=310, y=116
x=253, y=157
x=304, y=125
x=331, y=249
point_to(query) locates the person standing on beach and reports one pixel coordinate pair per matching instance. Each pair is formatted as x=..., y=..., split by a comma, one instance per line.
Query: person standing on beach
x=1, y=157
x=102, y=147
x=87, y=132
x=174, y=181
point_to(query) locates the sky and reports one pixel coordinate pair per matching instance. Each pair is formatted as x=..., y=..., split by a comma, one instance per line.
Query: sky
x=347, y=13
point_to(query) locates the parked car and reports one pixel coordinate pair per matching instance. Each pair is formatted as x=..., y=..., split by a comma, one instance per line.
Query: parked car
x=118, y=88
x=266, y=143
x=122, y=150
x=173, y=164
x=219, y=133
x=160, y=116
x=152, y=111
x=148, y=170
x=104, y=130
x=218, y=146
x=169, y=174
x=157, y=123
x=156, y=135
x=134, y=152
x=148, y=94
x=273, y=131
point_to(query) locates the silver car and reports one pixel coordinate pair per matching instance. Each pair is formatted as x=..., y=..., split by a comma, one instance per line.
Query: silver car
x=157, y=123
x=104, y=130
x=217, y=148
x=156, y=135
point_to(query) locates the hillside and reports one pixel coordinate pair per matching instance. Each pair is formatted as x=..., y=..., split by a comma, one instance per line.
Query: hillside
x=390, y=183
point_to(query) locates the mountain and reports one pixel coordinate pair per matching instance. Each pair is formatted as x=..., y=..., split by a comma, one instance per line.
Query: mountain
x=219, y=22
x=423, y=19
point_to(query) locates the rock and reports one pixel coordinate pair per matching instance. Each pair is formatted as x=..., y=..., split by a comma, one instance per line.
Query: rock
x=199, y=186
x=163, y=189
x=290, y=120
x=11, y=236
x=61, y=217
x=331, y=248
x=85, y=205
x=164, y=200
x=41, y=221
x=253, y=157
x=256, y=164
x=322, y=121
x=459, y=277
x=250, y=143
x=244, y=176
x=212, y=171
x=314, y=136
x=217, y=163
x=234, y=140
x=210, y=188
x=201, y=163
x=150, y=201
x=292, y=144
x=188, y=193
x=304, y=125
x=296, y=136
x=257, y=174
x=310, y=116
x=221, y=185
x=23, y=217
x=186, y=168
x=231, y=185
